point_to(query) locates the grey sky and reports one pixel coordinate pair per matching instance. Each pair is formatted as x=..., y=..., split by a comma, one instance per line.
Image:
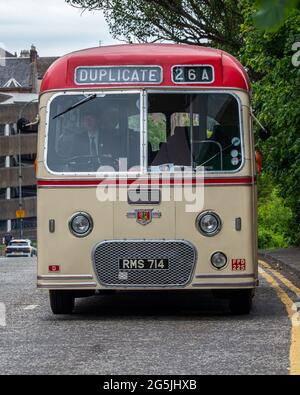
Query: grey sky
x=53, y=26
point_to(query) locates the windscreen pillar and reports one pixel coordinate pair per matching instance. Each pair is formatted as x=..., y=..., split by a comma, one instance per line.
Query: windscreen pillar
x=199, y=105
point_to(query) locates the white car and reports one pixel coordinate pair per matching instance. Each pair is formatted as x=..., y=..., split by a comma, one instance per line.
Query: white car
x=20, y=248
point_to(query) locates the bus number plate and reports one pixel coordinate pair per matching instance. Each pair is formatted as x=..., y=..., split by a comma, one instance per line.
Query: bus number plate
x=143, y=264
x=193, y=74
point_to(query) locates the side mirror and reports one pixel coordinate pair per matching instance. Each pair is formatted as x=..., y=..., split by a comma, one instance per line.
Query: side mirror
x=25, y=126
x=264, y=134
x=22, y=124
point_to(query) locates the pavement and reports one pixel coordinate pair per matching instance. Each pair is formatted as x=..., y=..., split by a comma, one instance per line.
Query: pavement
x=287, y=259
x=143, y=333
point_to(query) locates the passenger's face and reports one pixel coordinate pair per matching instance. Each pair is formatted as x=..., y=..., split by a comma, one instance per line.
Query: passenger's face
x=89, y=123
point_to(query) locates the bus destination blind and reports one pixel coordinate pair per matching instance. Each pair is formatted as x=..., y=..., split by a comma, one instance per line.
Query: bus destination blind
x=193, y=74
x=109, y=75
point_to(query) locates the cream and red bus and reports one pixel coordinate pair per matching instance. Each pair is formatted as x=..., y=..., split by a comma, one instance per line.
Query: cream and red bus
x=146, y=174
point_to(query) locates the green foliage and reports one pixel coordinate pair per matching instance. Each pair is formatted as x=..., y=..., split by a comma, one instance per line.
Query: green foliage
x=276, y=102
x=272, y=14
x=274, y=217
x=157, y=132
x=2, y=250
x=156, y=129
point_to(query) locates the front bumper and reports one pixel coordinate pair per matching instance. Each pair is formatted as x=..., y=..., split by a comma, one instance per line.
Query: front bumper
x=187, y=269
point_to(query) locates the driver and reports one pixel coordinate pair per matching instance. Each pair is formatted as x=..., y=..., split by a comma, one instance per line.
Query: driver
x=98, y=138
x=84, y=143
x=90, y=140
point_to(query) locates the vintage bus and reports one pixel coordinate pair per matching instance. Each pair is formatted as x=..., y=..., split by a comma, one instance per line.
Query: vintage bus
x=128, y=136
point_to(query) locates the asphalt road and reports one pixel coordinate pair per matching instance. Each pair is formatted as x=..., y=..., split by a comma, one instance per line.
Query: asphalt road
x=138, y=333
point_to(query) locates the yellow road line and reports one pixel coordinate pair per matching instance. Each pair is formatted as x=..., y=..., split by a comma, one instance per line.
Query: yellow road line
x=283, y=296
x=283, y=279
x=289, y=304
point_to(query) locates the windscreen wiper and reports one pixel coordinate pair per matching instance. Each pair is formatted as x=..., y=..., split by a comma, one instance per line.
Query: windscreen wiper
x=85, y=100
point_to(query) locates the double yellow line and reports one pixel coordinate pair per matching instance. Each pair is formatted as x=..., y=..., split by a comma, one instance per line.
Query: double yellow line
x=290, y=307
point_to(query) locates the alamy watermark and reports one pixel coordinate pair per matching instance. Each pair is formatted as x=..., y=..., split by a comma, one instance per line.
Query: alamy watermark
x=296, y=315
x=2, y=54
x=2, y=315
x=178, y=185
x=296, y=56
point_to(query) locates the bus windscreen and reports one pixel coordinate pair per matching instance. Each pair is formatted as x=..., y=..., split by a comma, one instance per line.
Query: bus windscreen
x=193, y=130
x=100, y=135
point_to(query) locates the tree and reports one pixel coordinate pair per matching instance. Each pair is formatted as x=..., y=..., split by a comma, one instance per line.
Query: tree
x=276, y=101
x=271, y=14
x=274, y=218
x=274, y=215
x=205, y=22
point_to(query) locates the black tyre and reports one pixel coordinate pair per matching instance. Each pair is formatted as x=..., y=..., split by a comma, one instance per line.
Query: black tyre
x=62, y=302
x=240, y=302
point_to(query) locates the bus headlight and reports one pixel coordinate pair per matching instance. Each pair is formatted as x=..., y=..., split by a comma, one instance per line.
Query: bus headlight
x=81, y=224
x=219, y=260
x=208, y=223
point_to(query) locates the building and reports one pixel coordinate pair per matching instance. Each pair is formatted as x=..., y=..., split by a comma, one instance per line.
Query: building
x=20, y=78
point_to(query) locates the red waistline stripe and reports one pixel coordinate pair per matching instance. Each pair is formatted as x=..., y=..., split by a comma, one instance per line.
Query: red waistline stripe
x=104, y=181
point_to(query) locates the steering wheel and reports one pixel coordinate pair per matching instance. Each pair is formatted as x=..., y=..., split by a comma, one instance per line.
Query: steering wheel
x=81, y=159
x=90, y=161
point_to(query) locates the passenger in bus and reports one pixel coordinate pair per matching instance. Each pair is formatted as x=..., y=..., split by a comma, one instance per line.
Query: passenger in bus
x=169, y=152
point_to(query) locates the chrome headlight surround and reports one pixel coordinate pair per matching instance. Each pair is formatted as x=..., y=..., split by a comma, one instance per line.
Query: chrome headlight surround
x=206, y=215
x=85, y=216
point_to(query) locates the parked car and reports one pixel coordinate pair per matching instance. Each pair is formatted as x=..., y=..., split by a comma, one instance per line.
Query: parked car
x=20, y=248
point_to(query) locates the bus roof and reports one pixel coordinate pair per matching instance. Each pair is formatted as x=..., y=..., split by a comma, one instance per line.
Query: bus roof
x=228, y=72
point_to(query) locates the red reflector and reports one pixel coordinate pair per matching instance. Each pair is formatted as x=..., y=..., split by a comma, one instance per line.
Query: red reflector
x=54, y=268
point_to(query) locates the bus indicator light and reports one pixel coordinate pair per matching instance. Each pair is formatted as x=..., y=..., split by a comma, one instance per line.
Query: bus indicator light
x=219, y=260
x=54, y=268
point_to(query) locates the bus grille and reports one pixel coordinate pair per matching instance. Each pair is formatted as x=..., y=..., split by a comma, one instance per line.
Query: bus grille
x=180, y=253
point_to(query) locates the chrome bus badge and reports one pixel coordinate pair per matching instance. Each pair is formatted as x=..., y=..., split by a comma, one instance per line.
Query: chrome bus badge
x=144, y=217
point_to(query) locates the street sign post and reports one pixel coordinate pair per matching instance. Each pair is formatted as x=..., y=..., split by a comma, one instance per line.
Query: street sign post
x=20, y=213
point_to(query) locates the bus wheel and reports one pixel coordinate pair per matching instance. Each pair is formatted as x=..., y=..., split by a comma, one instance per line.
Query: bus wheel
x=240, y=302
x=62, y=302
